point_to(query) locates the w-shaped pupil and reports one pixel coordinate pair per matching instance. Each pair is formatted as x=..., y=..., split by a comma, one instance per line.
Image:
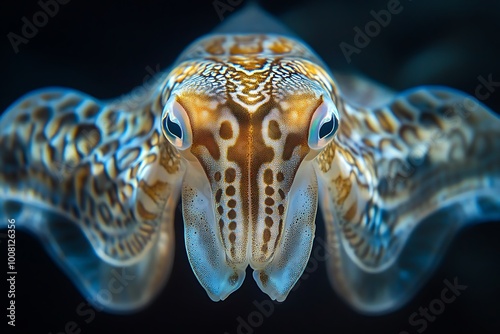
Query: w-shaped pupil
x=326, y=128
x=173, y=128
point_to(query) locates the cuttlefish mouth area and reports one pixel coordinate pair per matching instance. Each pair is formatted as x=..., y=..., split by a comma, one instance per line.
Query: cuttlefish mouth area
x=249, y=160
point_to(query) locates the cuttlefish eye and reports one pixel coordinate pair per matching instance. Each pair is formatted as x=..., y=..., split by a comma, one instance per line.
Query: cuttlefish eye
x=176, y=126
x=324, y=124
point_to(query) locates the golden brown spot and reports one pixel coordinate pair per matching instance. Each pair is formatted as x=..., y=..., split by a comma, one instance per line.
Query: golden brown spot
x=230, y=191
x=368, y=142
x=141, y=210
x=268, y=210
x=68, y=104
x=282, y=194
x=157, y=192
x=218, y=195
x=232, y=237
x=280, y=177
x=269, y=201
x=269, y=221
x=231, y=203
x=274, y=130
x=326, y=157
x=217, y=176
x=370, y=125
x=386, y=123
x=230, y=175
x=246, y=45
x=221, y=224
x=220, y=210
x=232, y=226
x=280, y=228
x=51, y=155
x=209, y=142
x=169, y=159
x=90, y=110
x=234, y=277
x=155, y=138
x=268, y=176
x=133, y=171
x=386, y=143
x=124, y=161
x=226, y=130
x=215, y=47
x=269, y=191
x=112, y=197
x=55, y=125
x=41, y=114
x=281, y=209
x=49, y=96
x=408, y=134
x=292, y=141
x=264, y=248
x=427, y=118
x=263, y=278
x=249, y=64
x=111, y=119
x=347, y=156
x=349, y=215
x=281, y=46
x=231, y=214
x=343, y=188
x=150, y=159
x=22, y=118
x=401, y=111
x=267, y=235
x=108, y=147
x=26, y=104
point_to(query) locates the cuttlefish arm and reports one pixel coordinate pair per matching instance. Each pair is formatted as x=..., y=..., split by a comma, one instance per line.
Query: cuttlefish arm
x=398, y=182
x=98, y=185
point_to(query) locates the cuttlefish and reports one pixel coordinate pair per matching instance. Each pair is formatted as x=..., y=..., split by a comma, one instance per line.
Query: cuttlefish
x=252, y=131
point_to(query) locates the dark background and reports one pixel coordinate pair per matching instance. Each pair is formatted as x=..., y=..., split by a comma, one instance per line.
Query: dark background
x=104, y=49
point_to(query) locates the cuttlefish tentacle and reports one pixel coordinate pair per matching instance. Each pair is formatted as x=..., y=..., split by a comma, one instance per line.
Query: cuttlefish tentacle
x=106, y=169
x=397, y=183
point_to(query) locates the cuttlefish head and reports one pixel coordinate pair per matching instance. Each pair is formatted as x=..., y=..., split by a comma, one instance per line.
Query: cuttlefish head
x=250, y=192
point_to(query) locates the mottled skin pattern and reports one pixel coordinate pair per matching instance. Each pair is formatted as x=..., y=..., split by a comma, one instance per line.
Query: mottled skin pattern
x=251, y=167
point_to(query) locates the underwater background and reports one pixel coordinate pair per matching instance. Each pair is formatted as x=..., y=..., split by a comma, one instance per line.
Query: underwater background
x=108, y=48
